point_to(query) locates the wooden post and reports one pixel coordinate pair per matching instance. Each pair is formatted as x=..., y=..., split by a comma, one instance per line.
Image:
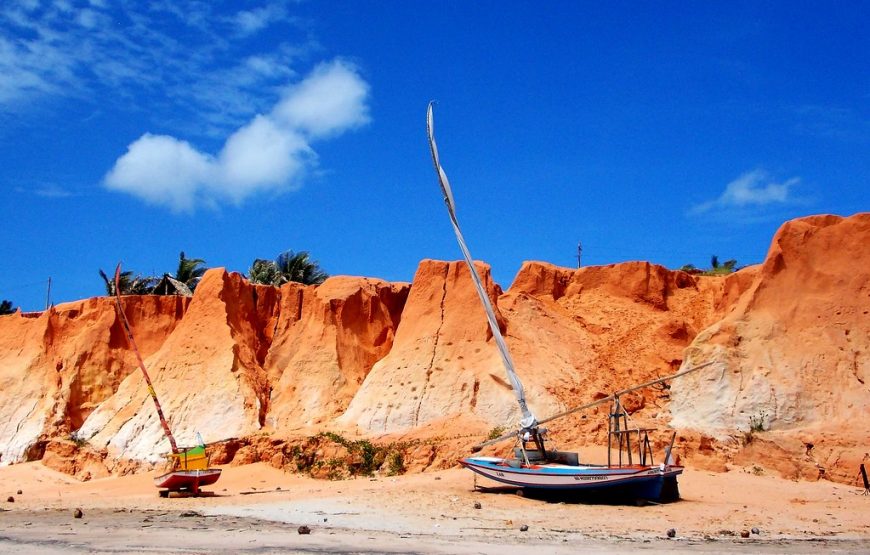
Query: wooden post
x=609, y=435
x=864, y=477
x=669, y=450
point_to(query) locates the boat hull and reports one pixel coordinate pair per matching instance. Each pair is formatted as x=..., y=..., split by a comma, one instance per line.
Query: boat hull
x=653, y=483
x=189, y=480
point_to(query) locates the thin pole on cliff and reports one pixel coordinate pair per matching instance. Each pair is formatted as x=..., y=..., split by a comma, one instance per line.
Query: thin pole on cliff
x=126, y=323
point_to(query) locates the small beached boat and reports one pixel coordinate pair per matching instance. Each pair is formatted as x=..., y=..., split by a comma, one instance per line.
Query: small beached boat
x=187, y=480
x=627, y=482
x=192, y=471
x=532, y=466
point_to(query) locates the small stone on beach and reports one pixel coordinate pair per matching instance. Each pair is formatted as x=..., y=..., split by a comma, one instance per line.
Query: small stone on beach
x=19, y=492
x=10, y=499
x=477, y=505
x=77, y=513
x=524, y=528
x=744, y=533
x=304, y=529
x=671, y=532
x=756, y=531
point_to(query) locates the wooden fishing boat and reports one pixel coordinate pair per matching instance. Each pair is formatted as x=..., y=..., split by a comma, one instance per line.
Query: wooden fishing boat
x=190, y=473
x=187, y=480
x=656, y=483
x=532, y=466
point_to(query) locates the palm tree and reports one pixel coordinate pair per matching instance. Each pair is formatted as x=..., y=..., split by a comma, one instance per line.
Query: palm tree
x=299, y=267
x=129, y=285
x=189, y=270
x=264, y=272
x=288, y=266
x=6, y=307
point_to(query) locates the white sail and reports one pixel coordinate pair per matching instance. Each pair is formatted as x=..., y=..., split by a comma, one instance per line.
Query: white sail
x=528, y=420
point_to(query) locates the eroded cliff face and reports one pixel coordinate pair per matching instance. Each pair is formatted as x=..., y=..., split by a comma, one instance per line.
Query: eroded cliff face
x=58, y=366
x=327, y=339
x=415, y=362
x=443, y=364
x=792, y=354
x=208, y=375
x=584, y=333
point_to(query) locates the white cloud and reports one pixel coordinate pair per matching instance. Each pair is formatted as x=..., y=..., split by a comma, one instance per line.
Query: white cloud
x=330, y=100
x=161, y=170
x=270, y=153
x=259, y=156
x=753, y=188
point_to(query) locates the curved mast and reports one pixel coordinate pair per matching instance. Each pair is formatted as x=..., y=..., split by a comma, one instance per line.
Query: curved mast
x=132, y=341
x=528, y=421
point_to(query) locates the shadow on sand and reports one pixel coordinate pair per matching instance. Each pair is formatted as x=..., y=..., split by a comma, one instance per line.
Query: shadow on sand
x=610, y=496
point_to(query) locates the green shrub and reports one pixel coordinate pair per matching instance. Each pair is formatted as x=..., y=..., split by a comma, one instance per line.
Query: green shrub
x=396, y=463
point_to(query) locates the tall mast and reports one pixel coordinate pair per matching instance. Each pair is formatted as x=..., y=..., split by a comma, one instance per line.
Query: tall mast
x=528, y=421
x=132, y=341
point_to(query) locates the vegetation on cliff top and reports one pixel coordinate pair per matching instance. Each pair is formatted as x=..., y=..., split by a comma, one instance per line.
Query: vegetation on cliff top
x=716, y=268
x=288, y=266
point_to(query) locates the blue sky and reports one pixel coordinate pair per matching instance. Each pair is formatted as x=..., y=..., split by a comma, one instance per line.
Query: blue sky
x=232, y=131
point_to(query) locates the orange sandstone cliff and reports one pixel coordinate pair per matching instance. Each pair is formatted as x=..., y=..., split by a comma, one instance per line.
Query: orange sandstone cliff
x=794, y=355
x=58, y=366
x=369, y=358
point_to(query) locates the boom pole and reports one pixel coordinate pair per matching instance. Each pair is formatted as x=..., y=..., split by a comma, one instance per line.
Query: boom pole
x=597, y=402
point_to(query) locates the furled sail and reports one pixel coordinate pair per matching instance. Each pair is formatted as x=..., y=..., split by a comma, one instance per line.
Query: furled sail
x=528, y=420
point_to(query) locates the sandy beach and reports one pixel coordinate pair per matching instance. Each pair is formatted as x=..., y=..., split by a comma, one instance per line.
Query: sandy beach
x=258, y=509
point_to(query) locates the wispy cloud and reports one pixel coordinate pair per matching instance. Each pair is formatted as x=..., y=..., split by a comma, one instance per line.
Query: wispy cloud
x=832, y=122
x=271, y=152
x=49, y=191
x=755, y=188
x=254, y=20
x=201, y=59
